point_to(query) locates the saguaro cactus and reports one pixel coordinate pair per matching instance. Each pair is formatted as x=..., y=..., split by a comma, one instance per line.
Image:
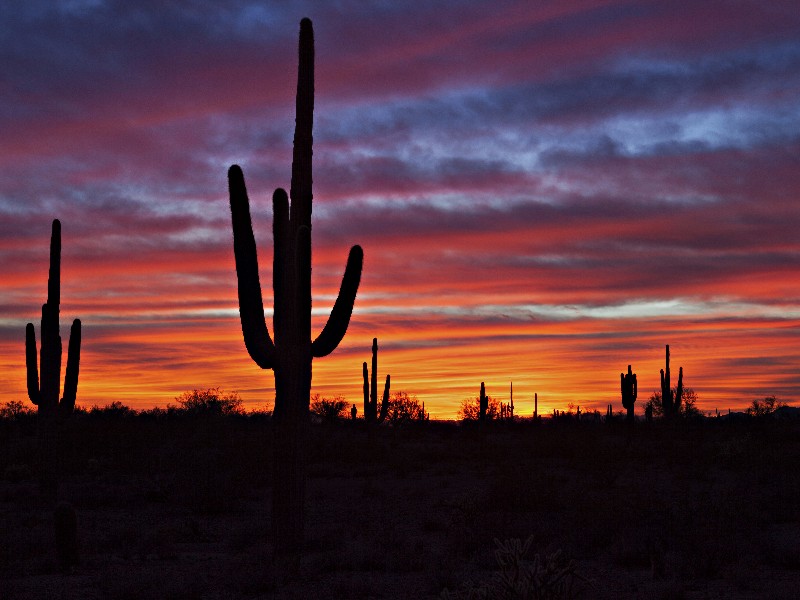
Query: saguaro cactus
x=671, y=403
x=291, y=353
x=629, y=391
x=44, y=391
x=483, y=403
x=371, y=414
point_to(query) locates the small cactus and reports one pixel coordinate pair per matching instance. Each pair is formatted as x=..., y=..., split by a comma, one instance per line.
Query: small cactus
x=629, y=391
x=371, y=414
x=671, y=402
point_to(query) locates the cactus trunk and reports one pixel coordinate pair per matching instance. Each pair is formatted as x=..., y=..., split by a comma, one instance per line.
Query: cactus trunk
x=291, y=353
x=483, y=403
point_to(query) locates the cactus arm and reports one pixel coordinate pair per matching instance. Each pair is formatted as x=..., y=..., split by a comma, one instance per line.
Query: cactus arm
x=31, y=364
x=635, y=388
x=339, y=319
x=251, y=306
x=281, y=273
x=679, y=391
x=385, y=400
x=67, y=403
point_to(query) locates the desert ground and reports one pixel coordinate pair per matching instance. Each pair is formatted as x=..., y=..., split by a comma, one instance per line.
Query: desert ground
x=173, y=506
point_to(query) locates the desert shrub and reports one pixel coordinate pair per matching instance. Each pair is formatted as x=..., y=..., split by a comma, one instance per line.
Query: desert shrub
x=211, y=402
x=470, y=409
x=550, y=577
x=765, y=407
x=115, y=410
x=404, y=408
x=329, y=409
x=14, y=410
x=688, y=407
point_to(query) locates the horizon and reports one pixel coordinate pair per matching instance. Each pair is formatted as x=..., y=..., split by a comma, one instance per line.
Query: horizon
x=544, y=195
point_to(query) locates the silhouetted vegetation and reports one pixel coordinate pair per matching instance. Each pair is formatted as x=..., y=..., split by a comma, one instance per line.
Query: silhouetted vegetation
x=670, y=397
x=291, y=354
x=211, y=402
x=686, y=409
x=170, y=502
x=764, y=407
x=371, y=414
x=329, y=410
x=44, y=372
x=471, y=408
x=405, y=409
x=629, y=390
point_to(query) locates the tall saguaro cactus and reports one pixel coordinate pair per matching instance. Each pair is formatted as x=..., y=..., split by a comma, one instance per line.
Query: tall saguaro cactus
x=629, y=392
x=483, y=403
x=43, y=390
x=371, y=414
x=291, y=352
x=44, y=379
x=671, y=403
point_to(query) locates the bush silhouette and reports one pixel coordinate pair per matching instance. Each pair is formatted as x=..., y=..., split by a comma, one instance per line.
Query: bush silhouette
x=329, y=409
x=404, y=409
x=470, y=409
x=210, y=402
x=764, y=407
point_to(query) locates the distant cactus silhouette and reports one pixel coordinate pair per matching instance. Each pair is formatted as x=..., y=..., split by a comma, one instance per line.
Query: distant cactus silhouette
x=371, y=414
x=291, y=353
x=671, y=404
x=629, y=391
x=44, y=391
x=483, y=403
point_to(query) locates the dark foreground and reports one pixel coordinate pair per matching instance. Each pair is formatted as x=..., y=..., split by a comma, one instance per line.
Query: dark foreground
x=179, y=508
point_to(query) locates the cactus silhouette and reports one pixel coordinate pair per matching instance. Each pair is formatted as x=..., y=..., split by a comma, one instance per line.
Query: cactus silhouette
x=483, y=403
x=671, y=404
x=44, y=379
x=629, y=391
x=291, y=353
x=43, y=390
x=371, y=414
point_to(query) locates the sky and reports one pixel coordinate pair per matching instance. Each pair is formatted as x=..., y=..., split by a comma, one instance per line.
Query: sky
x=545, y=192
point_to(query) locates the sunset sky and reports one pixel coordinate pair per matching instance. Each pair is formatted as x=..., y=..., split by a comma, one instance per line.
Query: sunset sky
x=545, y=192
